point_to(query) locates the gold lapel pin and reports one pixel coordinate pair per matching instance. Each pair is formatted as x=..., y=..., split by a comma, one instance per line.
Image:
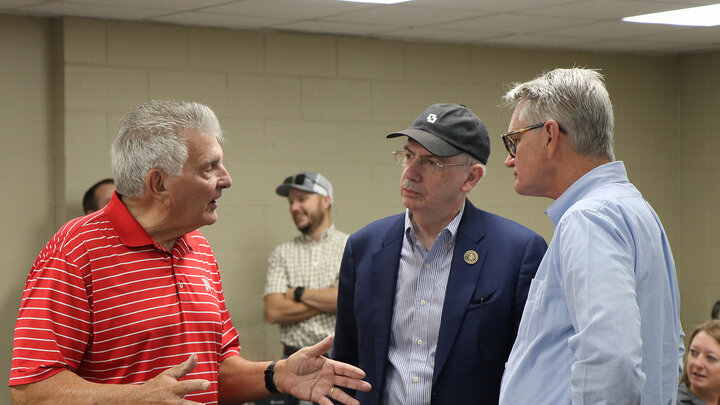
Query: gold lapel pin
x=471, y=257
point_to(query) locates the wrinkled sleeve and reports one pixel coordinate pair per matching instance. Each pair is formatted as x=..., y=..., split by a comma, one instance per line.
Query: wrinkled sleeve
x=598, y=279
x=532, y=256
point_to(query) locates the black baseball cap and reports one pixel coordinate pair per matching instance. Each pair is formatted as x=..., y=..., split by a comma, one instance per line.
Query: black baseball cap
x=448, y=130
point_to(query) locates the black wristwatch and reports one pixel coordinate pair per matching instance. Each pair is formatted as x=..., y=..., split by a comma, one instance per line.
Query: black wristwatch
x=269, y=378
x=298, y=293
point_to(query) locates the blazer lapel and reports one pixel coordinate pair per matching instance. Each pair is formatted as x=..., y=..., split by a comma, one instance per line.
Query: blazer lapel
x=461, y=283
x=384, y=272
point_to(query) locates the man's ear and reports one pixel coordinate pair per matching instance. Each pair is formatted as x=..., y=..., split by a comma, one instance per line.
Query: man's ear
x=326, y=202
x=552, y=141
x=155, y=184
x=473, y=177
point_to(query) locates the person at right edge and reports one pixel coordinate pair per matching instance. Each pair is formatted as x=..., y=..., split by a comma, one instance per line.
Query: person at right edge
x=700, y=382
x=430, y=300
x=601, y=324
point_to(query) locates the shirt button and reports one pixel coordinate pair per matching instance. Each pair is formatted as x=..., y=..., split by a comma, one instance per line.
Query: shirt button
x=419, y=341
x=427, y=266
x=181, y=285
x=422, y=302
x=415, y=379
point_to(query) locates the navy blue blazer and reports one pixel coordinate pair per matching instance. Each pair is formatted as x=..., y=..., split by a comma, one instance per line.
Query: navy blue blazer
x=481, y=313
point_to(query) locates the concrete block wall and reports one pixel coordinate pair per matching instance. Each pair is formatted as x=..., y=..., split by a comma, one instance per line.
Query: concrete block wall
x=696, y=157
x=293, y=102
x=27, y=164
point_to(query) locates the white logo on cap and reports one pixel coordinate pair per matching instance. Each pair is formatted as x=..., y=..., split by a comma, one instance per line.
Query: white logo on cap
x=431, y=118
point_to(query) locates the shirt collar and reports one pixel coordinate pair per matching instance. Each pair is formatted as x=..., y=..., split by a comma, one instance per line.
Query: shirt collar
x=451, y=228
x=132, y=234
x=613, y=172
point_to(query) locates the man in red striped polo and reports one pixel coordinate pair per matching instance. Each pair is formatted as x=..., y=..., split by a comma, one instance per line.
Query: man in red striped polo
x=125, y=305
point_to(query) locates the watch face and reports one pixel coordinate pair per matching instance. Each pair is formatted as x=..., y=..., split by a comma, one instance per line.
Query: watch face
x=298, y=293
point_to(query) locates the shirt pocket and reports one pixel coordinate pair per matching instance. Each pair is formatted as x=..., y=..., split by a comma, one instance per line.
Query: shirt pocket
x=531, y=320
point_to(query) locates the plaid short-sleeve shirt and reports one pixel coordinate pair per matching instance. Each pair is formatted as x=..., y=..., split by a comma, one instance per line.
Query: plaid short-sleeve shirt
x=304, y=262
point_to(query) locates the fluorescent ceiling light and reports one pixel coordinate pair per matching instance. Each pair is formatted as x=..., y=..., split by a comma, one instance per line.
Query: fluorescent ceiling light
x=705, y=16
x=378, y=1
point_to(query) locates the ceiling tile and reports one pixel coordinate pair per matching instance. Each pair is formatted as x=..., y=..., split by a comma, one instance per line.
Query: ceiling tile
x=539, y=41
x=330, y=27
x=512, y=23
x=94, y=10
x=11, y=4
x=172, y=5
x=581, y=24
x=495, y=6
x=689, y=34
x=612, y=30
x=402, y=15
x=688, y=3
x=627, y=45
x=604, y=9
x=295, y=9
x=435, y=35
x=219, y=20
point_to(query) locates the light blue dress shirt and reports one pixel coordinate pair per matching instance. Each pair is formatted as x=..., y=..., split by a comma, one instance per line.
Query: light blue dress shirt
x=419, y=298
x=601, y=323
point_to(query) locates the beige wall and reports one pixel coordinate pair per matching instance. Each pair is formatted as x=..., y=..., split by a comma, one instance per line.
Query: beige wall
x=26, y=162
x=323, y=103
x=697, y=155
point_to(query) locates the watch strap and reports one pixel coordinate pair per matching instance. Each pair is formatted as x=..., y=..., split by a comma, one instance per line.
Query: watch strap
x=270, y=377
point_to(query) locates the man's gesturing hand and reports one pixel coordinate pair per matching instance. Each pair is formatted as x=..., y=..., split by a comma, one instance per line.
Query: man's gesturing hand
x=310, y=376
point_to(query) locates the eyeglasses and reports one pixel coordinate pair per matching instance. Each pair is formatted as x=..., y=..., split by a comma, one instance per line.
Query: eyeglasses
x=405, y=158
x=510, y=143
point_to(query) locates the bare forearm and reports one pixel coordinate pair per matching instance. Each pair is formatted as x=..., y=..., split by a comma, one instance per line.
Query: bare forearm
x=241, y=380
x=323, y=300
x=66, y=387
x=279, y=309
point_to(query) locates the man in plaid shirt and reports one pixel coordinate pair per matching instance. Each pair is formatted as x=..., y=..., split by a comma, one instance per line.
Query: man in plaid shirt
x=302, y=278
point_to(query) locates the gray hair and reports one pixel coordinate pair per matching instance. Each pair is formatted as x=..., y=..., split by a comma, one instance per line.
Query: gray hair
x=577, y=99
x=152, y=136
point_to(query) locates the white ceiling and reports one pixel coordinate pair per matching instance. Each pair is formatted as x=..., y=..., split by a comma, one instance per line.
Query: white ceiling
x=590, y=25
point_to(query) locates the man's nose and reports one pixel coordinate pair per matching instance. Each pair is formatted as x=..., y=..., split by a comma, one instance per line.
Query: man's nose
x=509, y=161
x=414, y=168
x=225, y=180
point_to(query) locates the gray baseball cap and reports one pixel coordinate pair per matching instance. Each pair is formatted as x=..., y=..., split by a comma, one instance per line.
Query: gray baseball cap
x=306, y=181
x=448, y=130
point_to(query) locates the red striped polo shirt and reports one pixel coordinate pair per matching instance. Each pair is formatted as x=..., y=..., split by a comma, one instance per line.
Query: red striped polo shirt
x=108, y=303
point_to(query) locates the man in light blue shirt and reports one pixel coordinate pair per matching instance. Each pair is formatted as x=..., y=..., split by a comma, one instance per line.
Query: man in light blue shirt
x=601, y=323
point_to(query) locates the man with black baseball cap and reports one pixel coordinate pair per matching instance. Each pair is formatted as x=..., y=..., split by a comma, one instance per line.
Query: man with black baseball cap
x=302, y=276
x=430, y=300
